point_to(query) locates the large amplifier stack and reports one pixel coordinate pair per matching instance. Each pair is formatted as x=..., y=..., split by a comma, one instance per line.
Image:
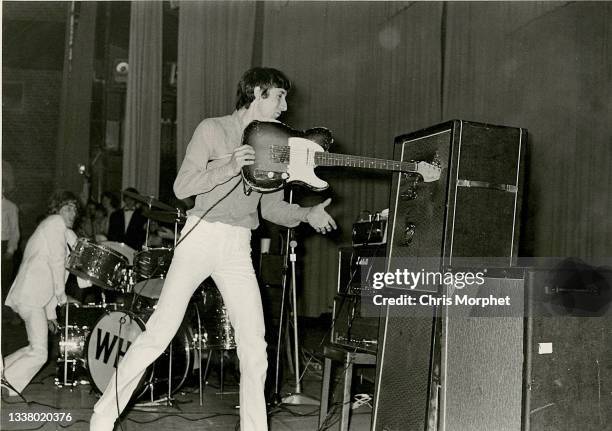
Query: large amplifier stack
x=469, y=217
x=540, y=359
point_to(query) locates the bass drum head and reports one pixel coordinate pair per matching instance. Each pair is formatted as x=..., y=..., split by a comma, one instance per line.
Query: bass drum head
x=108, y=342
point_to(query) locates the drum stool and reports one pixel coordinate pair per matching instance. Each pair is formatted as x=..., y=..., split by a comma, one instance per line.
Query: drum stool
x=348, y=358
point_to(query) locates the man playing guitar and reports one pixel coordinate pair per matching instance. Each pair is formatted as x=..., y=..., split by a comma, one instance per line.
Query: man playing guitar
x=216, y=242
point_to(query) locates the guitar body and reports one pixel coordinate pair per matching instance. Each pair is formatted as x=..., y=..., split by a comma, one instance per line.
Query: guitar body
x=283, y=155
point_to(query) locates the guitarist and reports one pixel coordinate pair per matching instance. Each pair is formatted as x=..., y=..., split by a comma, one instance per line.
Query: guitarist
x=216, y=242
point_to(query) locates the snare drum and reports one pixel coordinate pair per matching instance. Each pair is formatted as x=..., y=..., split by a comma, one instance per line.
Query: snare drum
x=153, y=262
x=110, y=339
x=100, y=265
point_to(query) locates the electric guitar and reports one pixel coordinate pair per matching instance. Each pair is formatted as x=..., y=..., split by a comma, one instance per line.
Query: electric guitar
x=284, y=155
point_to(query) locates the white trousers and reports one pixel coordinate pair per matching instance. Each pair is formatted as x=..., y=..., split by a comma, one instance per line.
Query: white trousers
x=223, y=252
x=21, y=367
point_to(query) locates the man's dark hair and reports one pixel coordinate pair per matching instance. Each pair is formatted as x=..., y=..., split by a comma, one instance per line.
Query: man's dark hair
x=131, y=190
x=262, y=77
x=60, y=198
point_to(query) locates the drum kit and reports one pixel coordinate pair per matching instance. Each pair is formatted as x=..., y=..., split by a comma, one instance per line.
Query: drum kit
x=94, y=337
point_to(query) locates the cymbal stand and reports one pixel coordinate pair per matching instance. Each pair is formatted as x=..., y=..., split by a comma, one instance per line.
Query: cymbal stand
x=66, y=320
x=148, y=223
x=176, y=223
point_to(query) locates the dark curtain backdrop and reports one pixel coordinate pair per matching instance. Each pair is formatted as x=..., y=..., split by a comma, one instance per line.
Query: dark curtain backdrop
x=215, y=46
x=75, y=108
x=370, y=71
x=546, y=67
x=143, y=102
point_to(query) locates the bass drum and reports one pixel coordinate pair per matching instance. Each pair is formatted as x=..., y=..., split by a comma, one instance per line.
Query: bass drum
x=110, y=339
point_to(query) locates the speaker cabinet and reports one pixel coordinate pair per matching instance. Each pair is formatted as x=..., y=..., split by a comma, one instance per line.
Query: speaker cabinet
x=544, y=363
x=404, y=360
x=469, y=217
x=479, y=382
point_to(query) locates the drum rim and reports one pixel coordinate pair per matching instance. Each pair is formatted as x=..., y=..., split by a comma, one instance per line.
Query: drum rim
x=93, y=279
x=169, y=249
x=103, y=248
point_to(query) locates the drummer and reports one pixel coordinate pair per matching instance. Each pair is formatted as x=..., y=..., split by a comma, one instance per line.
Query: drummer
x=40, y=286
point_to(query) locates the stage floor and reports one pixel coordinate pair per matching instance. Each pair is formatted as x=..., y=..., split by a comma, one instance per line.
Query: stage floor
x=217, y=412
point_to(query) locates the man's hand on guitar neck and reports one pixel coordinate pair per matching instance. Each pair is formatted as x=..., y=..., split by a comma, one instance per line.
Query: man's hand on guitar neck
x=319, y=219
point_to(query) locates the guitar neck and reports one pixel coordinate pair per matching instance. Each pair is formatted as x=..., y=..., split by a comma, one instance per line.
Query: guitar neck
x=334, y=159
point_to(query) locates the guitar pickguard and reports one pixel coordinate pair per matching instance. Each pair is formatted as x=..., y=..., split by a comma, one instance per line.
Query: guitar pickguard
x=302, y=163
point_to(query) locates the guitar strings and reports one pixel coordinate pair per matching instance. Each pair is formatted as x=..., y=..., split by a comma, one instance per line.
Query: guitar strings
x=282, y=153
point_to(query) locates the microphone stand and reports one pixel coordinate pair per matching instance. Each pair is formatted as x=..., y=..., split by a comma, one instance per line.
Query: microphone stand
x=276, y=398
x=296, y=398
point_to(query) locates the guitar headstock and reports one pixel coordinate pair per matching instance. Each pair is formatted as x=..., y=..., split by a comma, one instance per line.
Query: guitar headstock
x=429, y=171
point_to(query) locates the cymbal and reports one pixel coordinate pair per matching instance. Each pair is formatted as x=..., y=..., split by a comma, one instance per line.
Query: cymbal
x=149, y=200
x=166, y=216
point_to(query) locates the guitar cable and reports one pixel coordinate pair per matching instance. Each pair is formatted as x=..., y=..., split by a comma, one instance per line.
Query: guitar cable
x=201, y=217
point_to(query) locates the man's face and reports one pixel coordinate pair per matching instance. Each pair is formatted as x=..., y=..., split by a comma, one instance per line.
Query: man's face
x=129, y=203
x=68, y=213
x=271, y=105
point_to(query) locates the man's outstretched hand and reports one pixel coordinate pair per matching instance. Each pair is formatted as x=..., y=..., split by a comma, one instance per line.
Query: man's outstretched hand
x=319, y=219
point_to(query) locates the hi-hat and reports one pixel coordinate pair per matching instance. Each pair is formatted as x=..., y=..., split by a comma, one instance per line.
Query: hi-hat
x=149, y=200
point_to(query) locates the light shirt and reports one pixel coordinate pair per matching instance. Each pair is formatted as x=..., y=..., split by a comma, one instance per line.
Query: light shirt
x=127, y=217
x=206, y=173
